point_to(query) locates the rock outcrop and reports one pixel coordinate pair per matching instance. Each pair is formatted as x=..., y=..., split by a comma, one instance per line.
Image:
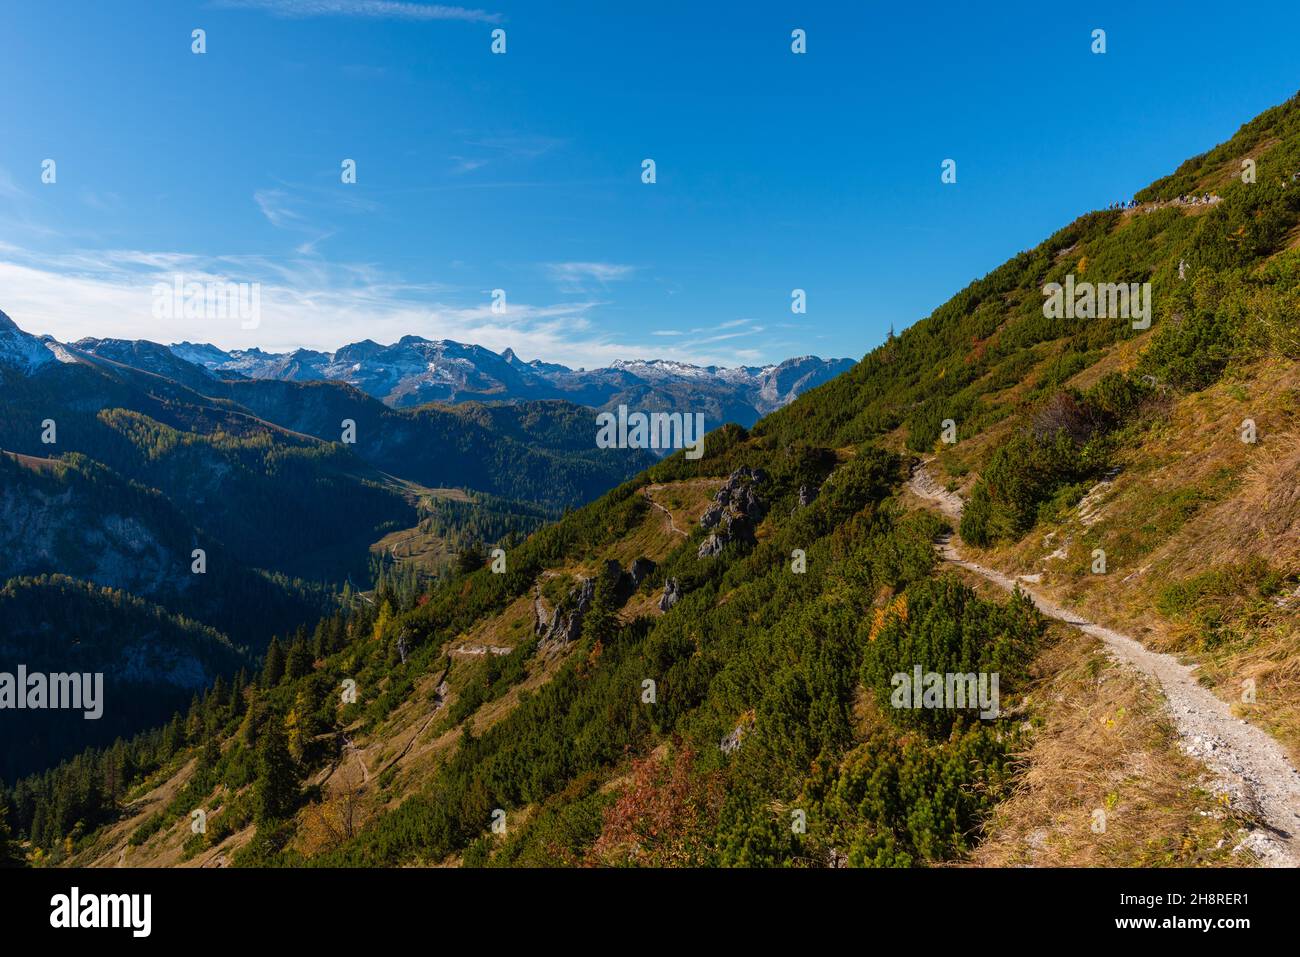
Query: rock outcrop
x=671, y=596
x=731, y=743
x=566, y=624
x=640, y=570
x=735, y=511
x=806, y=496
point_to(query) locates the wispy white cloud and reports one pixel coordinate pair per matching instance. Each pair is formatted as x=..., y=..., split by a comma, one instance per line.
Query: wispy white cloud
x=275, y=206
x=719, y=333
x=106, y=202
x=578, y=276
x=370, y=9
x=483, y=151
x=517, y=146
x=308, y=247
x=301, y=209
x=466, y=165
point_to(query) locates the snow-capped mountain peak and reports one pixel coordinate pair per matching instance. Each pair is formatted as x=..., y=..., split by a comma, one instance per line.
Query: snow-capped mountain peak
x=21, y=351
x=415, y=370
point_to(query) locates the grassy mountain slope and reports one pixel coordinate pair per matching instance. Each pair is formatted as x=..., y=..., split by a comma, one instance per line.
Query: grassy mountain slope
x=753, y=722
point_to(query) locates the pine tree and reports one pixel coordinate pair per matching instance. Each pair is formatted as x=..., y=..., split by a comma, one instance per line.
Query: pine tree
x=471, y=558
x=299, y=661
x=276, y=790
x=320, y=641
x=218, y=697
x=273, y=666
x=210, y=755
x=173, y=737
x=194, y=720
x=237, y=702
x=10, y=853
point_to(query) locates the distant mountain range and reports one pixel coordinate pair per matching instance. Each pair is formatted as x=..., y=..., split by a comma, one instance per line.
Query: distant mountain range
x=415, y=371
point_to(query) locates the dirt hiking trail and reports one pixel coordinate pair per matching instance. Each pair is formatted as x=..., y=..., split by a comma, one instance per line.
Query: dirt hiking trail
x=1247, y=764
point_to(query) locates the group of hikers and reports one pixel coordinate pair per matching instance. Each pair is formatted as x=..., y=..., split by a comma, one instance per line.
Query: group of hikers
x=1189, y=199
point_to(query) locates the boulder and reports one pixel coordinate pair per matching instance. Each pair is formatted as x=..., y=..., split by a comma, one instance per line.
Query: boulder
x=640, y=570
x=711, y=546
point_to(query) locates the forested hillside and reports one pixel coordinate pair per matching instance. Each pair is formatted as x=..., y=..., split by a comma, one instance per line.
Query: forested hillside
x=698, y=667
x=152, y=663
x=135, y=471
x=78, y=518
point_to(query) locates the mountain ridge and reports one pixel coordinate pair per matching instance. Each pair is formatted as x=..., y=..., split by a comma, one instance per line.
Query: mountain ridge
x=415, y=370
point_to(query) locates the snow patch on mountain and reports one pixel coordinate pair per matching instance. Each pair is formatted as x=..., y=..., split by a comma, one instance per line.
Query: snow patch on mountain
x=22, y=351
x=415, y=370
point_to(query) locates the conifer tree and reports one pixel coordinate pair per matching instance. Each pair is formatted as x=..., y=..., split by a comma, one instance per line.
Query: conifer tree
x=299, y=662
x=218, y=697
x=274, y=664
x=173, y=738
x=276, y=790
x=10, y=854
x=211, y=754
x=471, y=558
x=237, y=694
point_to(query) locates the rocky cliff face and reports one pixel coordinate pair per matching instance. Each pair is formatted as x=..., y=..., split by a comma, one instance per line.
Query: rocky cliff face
x=48, y=525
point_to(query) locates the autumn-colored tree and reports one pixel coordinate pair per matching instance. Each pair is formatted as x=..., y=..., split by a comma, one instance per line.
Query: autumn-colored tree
x=330, y=823
x=664, y=816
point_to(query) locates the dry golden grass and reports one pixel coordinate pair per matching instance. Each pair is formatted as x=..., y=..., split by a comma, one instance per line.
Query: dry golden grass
x=1102, y=743
x=112, y=846
x=427, y=551
x=962, y=462
x=430, y=552
x=511, y=627
x=1101, y=740
x=1192, y=498
x=32, y=462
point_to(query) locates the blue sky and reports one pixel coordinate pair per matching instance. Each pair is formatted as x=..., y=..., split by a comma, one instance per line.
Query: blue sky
x=522, y=171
